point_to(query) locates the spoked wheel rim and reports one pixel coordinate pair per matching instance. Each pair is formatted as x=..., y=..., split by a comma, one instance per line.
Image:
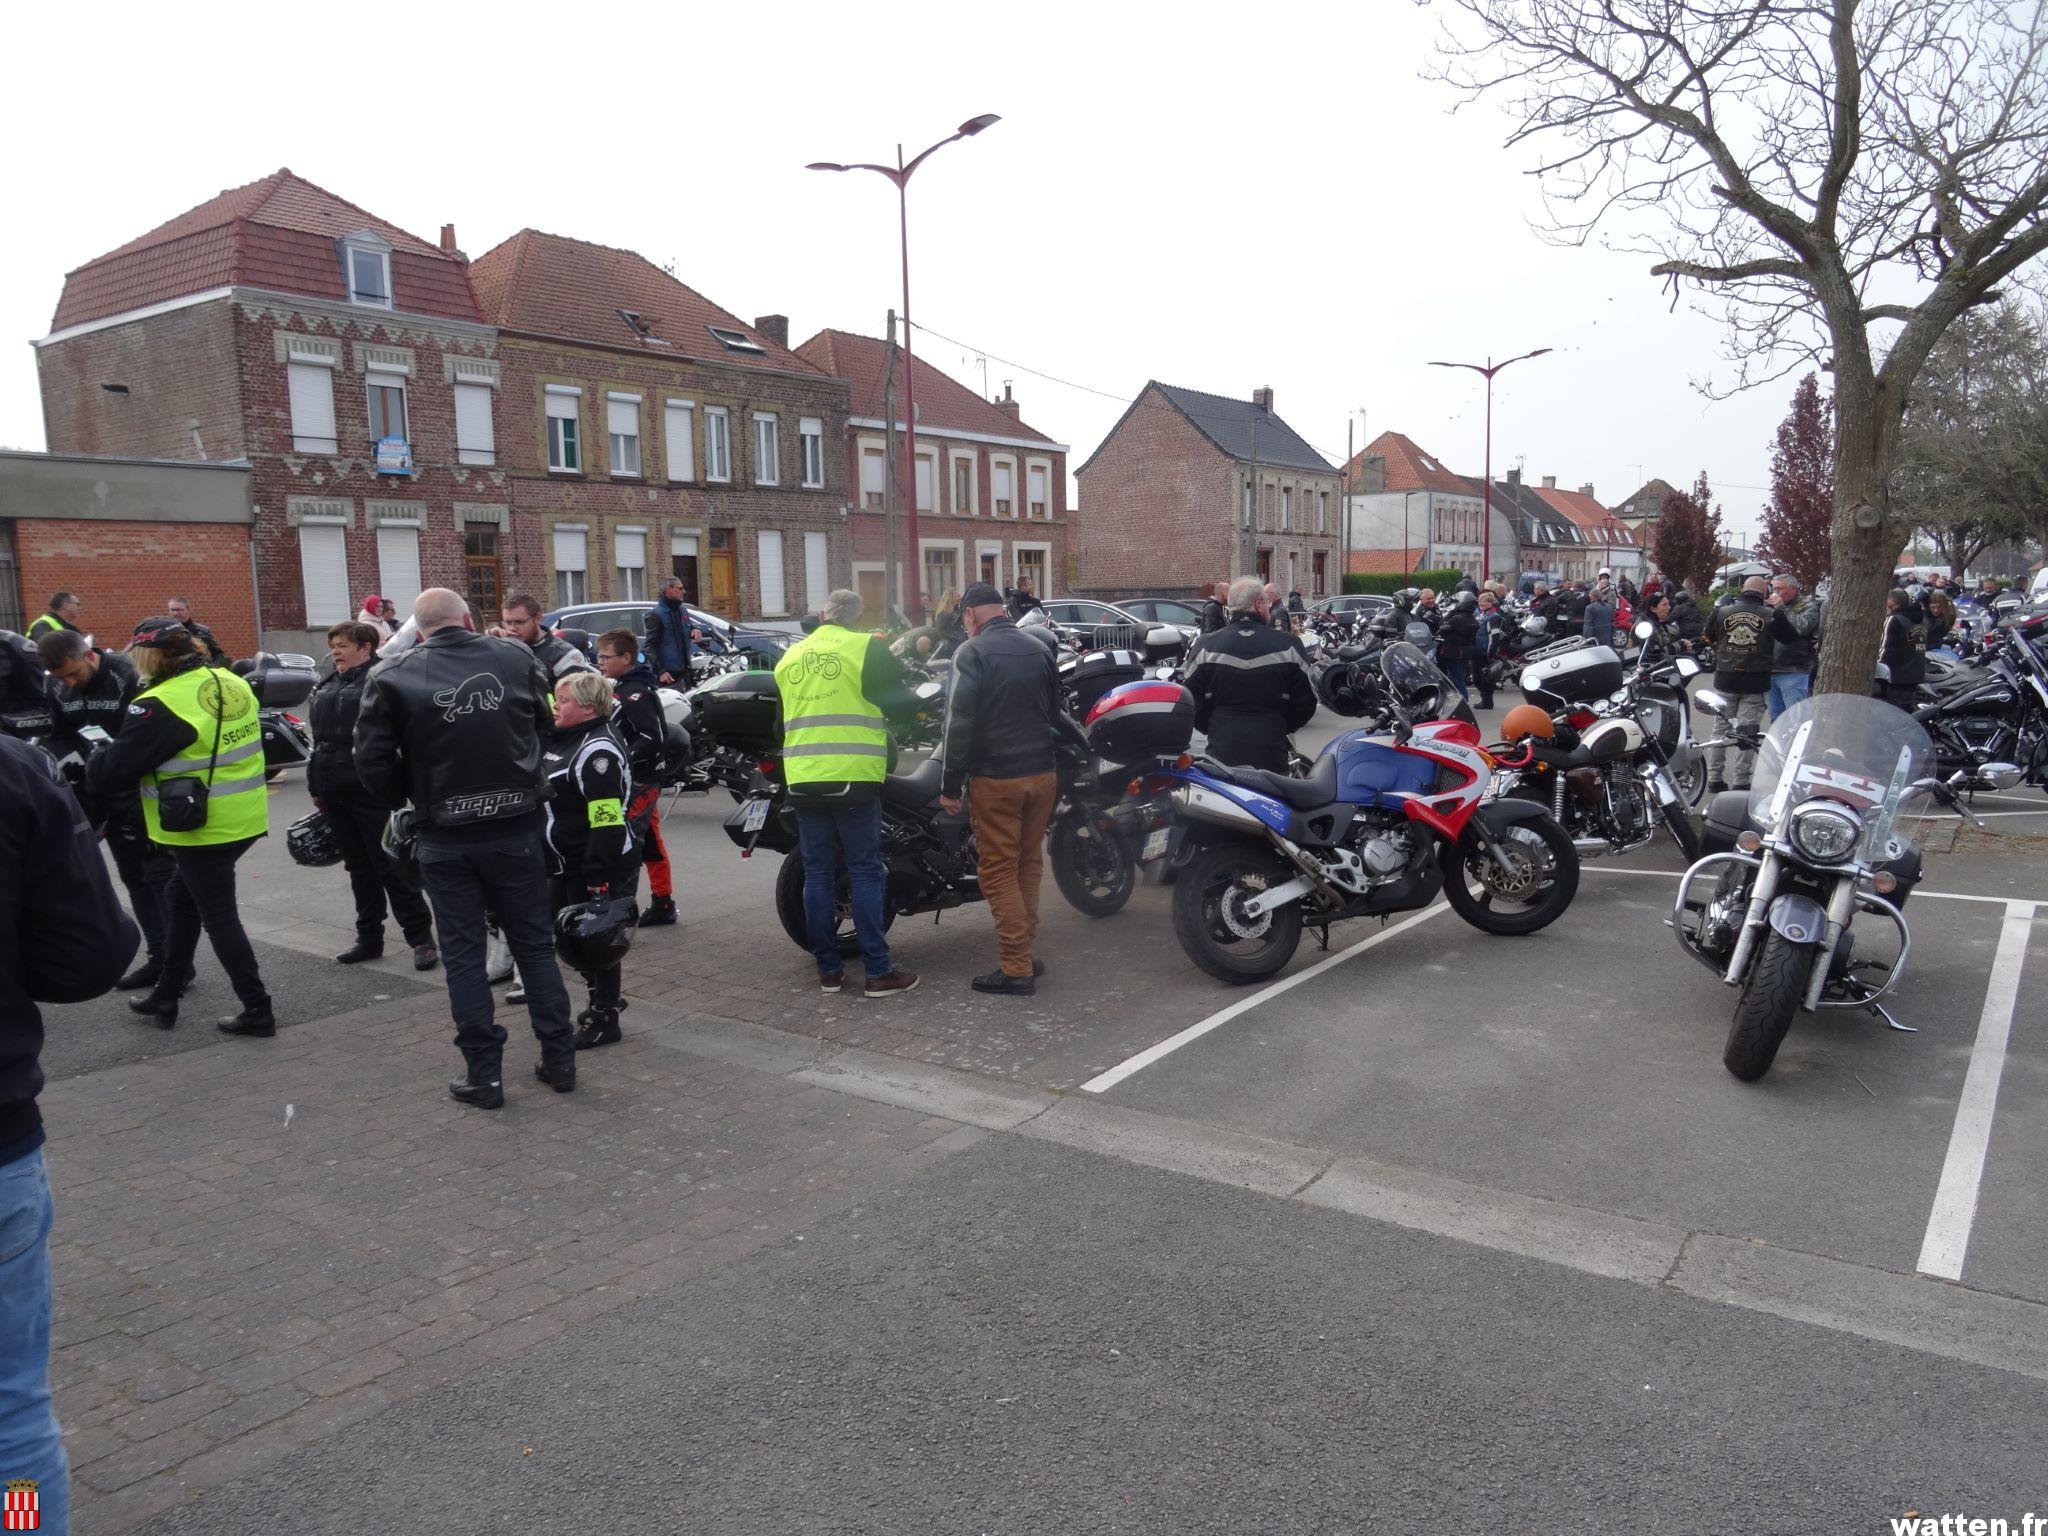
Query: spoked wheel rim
x=1102, y=873
x=1231, y=885
x=1492, y=889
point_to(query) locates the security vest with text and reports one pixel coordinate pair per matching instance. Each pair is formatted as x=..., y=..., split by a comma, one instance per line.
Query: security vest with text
x=831, y=734
x=236, y=806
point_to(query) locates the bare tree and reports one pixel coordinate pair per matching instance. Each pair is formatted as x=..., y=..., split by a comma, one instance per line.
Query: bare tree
x=1847, y=176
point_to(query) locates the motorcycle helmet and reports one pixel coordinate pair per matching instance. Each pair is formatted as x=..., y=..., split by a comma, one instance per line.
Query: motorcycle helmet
x=1468, y=601
x=1527, y=720
x=310, y=841
x=402, y=846
x=594, y=935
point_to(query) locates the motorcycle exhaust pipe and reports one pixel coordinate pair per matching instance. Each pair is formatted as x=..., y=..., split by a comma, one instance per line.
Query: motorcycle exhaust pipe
x=1590, y=844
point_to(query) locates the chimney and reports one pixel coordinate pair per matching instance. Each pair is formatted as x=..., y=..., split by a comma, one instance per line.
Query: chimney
x=775, y=328
x=1586, y=489
x=448, y=240
x=1550, y=482
x=1263, y=398
x=1008, y=404
x=1515, y=475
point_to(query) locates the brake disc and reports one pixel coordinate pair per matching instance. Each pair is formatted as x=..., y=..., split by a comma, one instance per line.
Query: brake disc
x=1490, y=874
x=1236, y=919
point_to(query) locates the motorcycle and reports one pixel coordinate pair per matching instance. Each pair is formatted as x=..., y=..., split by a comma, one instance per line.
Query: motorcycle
x=1388, y=816
x=1996, y=711
x=1818, y=839
x=280, y=682
x=1110, y=821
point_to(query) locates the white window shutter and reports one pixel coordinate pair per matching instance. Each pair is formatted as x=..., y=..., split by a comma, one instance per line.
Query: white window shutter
x=682, y=450
x=323, y=563
x=398, y=566
x=312, y=392
x=631, y=549
x=623, y=416
x=569, y=547
x=564, y=406
x=475, y=441
x=772, y=598
x=874, y=473
x=817, y=572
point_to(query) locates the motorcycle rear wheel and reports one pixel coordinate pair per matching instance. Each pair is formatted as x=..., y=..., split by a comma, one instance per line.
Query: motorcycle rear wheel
x=1548, y=865
x=1202, y=916
x=1771, y=992
x=1092, y=867
x=789, y=907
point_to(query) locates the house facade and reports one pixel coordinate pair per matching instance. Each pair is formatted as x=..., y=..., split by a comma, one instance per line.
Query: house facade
x=1549, y=544
x=1189, y=488
x=1404, y=500
x=647, y=432
x=1640, y=510
x=343, y=359
x=1611, y=544
x=991, y=490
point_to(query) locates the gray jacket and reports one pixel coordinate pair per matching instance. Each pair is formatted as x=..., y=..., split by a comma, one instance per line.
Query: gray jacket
x=1799, y=655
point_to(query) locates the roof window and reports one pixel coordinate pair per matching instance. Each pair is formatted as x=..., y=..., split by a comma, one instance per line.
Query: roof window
x=736, y=341
x=366, y=268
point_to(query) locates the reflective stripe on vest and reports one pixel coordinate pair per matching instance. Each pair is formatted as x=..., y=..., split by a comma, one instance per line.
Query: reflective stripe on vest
x=202, y=697
x=831, y=734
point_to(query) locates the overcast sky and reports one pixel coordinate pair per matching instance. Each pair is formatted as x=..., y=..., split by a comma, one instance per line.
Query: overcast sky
x=1222, y=200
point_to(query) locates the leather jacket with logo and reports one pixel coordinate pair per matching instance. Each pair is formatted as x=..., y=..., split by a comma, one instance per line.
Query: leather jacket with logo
x=1745, y=636
x=589, y=784
x=455, y=725
x=1251, y=688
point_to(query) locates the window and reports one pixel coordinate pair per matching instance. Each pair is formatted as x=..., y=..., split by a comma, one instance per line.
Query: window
x=817, y=571
x=622, y=422
x=736, y=341
x=1247, y=503
x=1322, y=513
x=717, y=443
x=1031, y=568
x=323, y=563
x=773, y=598
x=927, y=474
x=398, y=565
x=1003, y=476
x=480, y=566
x=386, y=392
x=874, y=477
x=966, y=485
x=475, y=443
x=1038, y=485
x=572, y=577
x=312, y=393
x=679, y=418
x=811, y=435
x=941, y=569
x=629, y=557
x=565, y=446
x=369, y=274
x=1286, y=507
x=767, y=449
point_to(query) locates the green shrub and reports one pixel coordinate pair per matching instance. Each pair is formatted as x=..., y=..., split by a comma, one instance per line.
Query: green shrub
x=1386, y=583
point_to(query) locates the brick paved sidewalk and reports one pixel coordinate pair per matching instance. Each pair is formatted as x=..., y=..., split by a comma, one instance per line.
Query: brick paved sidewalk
x=233, y=1280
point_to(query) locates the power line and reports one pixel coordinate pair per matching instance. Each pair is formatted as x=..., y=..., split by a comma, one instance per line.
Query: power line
x=1037, y=373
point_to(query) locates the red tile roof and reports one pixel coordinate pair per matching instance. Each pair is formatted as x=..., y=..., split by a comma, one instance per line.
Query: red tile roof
x=551, y=285
x=1409, y=468
x=1387, y=562
x=942, y=401
x=1602, y=526
x=278, y=233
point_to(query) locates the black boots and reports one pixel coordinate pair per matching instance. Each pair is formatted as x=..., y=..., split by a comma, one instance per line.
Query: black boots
x=597, y=1025
x=145, y=974
x=256, y=1020
x=559, y=1076
x=660, y=912
x=477, y=1095
x=161, y=1004
x=364, y=949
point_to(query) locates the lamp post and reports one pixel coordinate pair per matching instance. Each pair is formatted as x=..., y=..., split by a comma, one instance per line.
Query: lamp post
x=900, y=174
x=1407, y=565
x=1489, y=368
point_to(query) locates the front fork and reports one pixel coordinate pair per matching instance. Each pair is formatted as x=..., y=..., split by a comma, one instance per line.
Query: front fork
x=1754, y=919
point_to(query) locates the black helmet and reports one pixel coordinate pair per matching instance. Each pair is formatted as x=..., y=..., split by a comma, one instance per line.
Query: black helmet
x=594, y=935
x=402, y=846
x=1468, y=600
x=310, y=841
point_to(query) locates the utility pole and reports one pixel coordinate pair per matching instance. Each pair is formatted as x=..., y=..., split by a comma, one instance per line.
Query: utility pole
x=1344, y=497
x=1251, y=522
x=890, y=580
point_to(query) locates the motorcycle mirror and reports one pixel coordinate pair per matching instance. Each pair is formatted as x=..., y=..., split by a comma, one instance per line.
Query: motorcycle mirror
x=1713, y=703
x=1644, y=629
x=1995, y=776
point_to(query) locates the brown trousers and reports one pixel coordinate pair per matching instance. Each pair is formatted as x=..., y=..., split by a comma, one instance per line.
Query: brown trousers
x=1009, y=817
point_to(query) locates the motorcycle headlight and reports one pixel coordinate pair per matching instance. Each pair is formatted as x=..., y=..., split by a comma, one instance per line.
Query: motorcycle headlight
x=1825, y=833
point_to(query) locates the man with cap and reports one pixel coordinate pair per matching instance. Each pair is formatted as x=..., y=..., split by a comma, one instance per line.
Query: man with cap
x=1001, y=722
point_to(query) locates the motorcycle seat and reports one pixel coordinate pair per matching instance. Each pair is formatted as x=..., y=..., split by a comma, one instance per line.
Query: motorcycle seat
x=1562, y=757
x=1318, y=789
x=917, y=788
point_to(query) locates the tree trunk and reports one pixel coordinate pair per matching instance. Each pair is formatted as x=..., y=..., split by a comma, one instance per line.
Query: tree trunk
x=1866, y=442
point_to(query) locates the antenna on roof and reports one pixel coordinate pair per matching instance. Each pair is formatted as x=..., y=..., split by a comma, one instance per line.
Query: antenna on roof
x=669, y=266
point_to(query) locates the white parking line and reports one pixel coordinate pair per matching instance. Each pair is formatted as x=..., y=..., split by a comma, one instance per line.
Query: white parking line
x=1104, y=1081
x=1920, y=893
x=1955, y=1199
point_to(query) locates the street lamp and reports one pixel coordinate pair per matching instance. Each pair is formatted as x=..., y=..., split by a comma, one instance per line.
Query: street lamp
x=1489, y=368
x=901, y=173
x=1407, y=565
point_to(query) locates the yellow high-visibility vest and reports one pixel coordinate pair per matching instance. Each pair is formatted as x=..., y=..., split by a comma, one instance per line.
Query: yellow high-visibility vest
x=831, y=734
x=236, y=806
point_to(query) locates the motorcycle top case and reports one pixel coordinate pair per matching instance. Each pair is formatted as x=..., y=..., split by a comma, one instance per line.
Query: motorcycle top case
x=742, y=710
x=281, y=687
x=1141, y=720
x=1575, y=677
x=1100, y=671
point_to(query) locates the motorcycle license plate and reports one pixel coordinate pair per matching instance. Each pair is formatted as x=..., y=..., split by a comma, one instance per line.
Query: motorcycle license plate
x=1155, y=845
x=756, y=817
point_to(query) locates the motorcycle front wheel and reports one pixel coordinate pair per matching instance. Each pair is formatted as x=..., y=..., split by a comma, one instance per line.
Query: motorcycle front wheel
x=789, y=906
x=1771, y=992
x=1210, y=921
x=1545, y=878
x=1091, y=866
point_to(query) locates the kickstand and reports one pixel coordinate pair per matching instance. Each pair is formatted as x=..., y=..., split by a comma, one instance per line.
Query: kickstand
x=1885, y=1013
x=1323, y=938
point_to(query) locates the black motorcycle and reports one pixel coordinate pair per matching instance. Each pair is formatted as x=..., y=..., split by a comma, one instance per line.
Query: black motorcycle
x=1998, y=710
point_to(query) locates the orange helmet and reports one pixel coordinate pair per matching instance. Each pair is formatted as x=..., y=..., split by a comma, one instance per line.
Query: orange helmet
x=1527, y=720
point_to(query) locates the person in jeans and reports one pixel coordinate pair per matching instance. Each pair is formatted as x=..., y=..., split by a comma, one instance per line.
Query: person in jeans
x=835, y=755
x=455, y=725
x=1793, y=661
x=1000, y=727
x=63, y=939
x=193, y=728
x=669, y=631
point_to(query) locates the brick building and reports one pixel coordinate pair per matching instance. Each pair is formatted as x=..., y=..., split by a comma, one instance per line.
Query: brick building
x=1171, y=507
x=126, y=535
x=1552, y=546
x=1610, y=543
x=646, y=431
x=991, y=491
x=1404, y=499
x=343, y=359
x=1640, y=510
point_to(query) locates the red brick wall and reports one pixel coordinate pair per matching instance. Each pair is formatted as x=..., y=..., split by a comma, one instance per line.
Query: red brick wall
x=122, y=572
x=179, y=368
x=1157, y=502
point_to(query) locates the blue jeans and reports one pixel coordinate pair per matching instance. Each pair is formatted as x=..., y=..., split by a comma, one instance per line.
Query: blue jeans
x=1787, y=689
x=826, y=835
x=1455, y=668
x=30, y=1445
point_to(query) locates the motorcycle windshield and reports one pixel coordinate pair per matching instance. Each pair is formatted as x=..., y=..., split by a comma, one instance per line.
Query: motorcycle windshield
x=1859, y=753
x=1420, y=685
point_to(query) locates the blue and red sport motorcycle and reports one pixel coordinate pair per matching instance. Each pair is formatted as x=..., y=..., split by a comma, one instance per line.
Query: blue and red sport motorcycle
x=1389, y=816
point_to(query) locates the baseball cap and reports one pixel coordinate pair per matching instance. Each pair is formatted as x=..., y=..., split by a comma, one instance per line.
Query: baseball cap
x=155, y=631
x=980, y=595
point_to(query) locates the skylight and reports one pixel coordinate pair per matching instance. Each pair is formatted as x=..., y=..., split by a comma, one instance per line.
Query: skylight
x=736, y=341
x=1423, y=459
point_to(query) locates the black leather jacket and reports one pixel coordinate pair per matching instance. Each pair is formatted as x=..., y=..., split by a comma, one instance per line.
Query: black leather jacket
x=558, y=657
x=1745, y=635
x=638, y=722
x=1004, y=713
x=1251, y=688
x=331, y=714
x=102, y=702
x=589, y=785
x=455, y=726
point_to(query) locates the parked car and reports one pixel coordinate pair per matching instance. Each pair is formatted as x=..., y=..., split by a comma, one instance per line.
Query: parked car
x=584, y=622
x=1105, y=626
x=1351, y=604
x=1165, y=610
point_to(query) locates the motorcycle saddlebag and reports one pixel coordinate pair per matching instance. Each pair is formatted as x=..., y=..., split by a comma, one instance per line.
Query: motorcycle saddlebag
x=1098, y=672
x=742, y=710
x=281, y=687
x=1142, y=720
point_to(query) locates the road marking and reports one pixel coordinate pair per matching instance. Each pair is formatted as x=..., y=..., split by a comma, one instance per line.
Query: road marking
x=1955, y=1199
x=1920, y=893
x=1104, y=1081
x=1985, y=815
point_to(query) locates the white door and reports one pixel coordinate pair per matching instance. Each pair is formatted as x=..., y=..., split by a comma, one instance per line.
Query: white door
x=817, y=572
x=398, y=566
x=323, y=562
